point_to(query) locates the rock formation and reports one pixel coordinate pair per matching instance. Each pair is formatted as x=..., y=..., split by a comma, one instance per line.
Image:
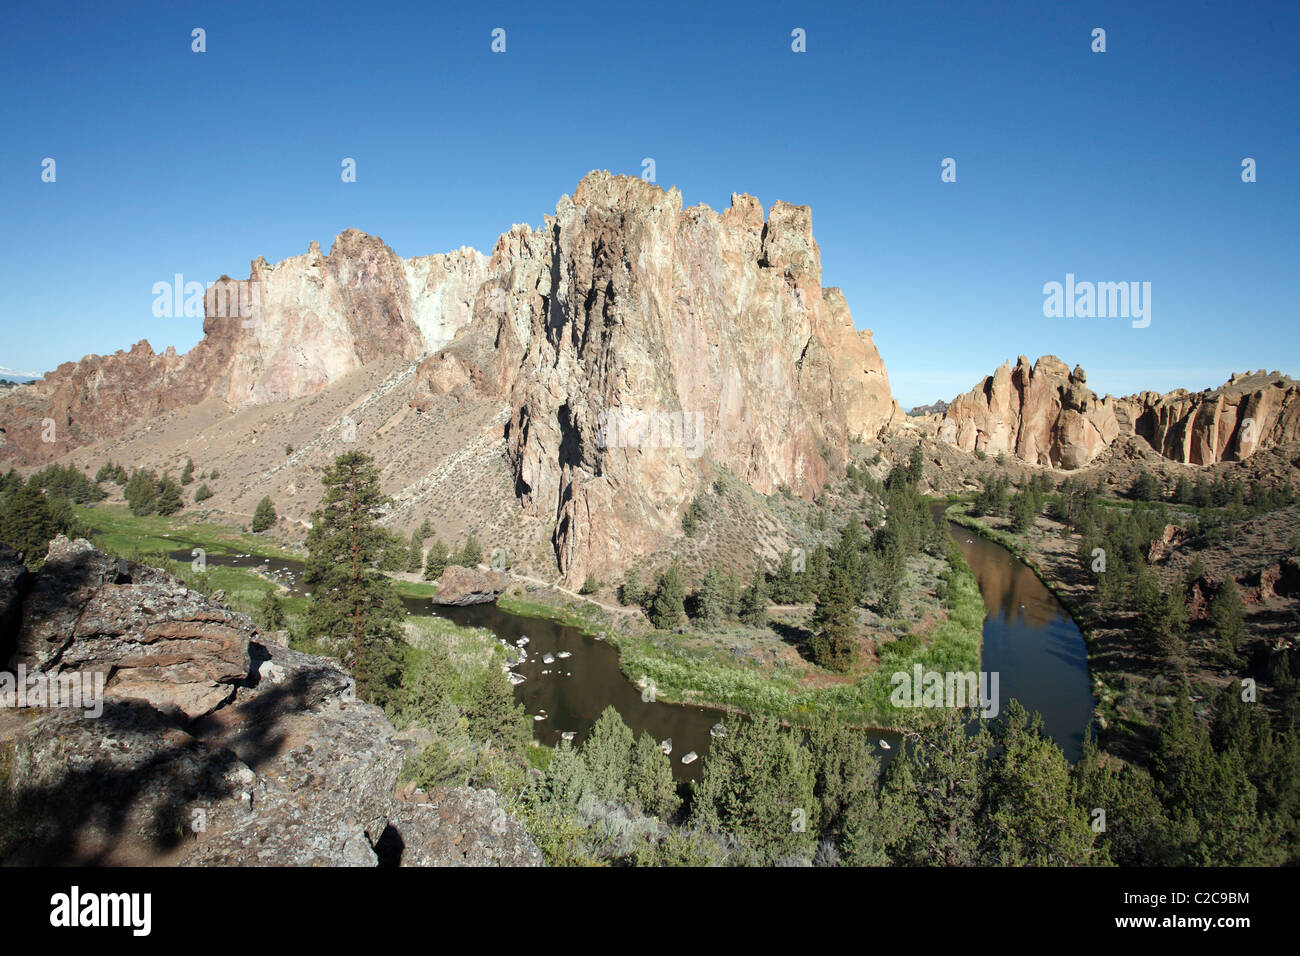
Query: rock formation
x=636, y=347
x=1249, y=413
x=647, y=339
x=286, y=331
x=215, y=745
x=1045, y=415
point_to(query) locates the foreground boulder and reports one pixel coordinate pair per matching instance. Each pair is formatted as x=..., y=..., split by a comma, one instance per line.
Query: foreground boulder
x=462, y=586
x=212, y=746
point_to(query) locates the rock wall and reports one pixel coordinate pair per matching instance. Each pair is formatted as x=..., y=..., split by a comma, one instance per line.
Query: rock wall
x=216, y=745
x=1251, y=412
x=1045, y=415
x=640, y=341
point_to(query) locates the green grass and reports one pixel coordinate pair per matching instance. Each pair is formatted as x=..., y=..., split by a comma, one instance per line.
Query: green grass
x=697, y=676
x=114, y=529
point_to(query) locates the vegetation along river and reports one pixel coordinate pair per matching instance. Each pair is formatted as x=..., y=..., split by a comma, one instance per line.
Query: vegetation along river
x=1029, y=640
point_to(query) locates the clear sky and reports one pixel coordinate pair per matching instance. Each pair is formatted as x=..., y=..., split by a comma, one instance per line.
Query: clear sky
x=1115, y=166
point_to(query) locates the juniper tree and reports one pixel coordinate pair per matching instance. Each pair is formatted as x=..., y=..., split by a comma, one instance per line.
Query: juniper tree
x=435, y=562
x=187, y=473
x=353, y=605
x=650, y=780
x=668, y=606
x=264, y=515
x=607, y=752
x=753, y=601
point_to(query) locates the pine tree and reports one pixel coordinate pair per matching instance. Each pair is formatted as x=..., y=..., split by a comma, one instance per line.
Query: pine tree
x=668, y=606
x=607, y=752
x=271, y=612
x=753, y=601
x=590, y=586
x=353, y=605
x=187, y=473
x=168, y=500
x=264, y=515
x=26, y=524
x=650, y=781
x=202, y=493
x=436, y=560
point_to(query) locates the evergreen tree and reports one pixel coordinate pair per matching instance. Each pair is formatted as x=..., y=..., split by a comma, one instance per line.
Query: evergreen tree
x=758, y=784
x=496, y=717
x=1029, y=815
x=141, y=493
x=753, y=601
x=607, y=752
x=352, y=604
x=933, y=793
x=271, y=612
x=650, y=781
x=668, y=606
x=471, y=555
x=1227, y=617
x=264, y=515
x=415, y=554
x=187, y=473
x=202, y=493
x=711, y=601
x=786, y=587
x=835, y=616
x=632, y=592
x=168, y=500
x=26, y=524
x=436, y=560
x=590, y=585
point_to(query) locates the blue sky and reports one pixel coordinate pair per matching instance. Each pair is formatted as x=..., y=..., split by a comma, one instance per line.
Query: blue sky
x=1115, y=166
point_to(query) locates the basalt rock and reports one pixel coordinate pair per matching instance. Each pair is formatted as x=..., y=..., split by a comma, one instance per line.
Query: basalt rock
x=462, y=586
x=214, y=746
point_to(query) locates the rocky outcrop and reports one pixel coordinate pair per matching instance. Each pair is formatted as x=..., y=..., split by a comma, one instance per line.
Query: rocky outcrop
x=1249, y=413
x=457, y=826
x=287, y=331
x=1045, y=415
x=461, y=586
x=642, y=341
x=212, y=746
x=637, y=348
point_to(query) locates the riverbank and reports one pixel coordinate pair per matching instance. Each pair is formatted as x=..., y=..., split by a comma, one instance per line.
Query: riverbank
x=1128, y=700
x=764, y=672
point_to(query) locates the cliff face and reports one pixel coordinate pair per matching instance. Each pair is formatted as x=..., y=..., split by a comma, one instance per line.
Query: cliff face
x=641, y=342
x=1249, y=413
x=307, y=321
x=1048, y=416
x=1045, y=415
x=635, y=346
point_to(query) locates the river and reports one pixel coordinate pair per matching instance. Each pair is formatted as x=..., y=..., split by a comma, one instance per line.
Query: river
x=1029, y=639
